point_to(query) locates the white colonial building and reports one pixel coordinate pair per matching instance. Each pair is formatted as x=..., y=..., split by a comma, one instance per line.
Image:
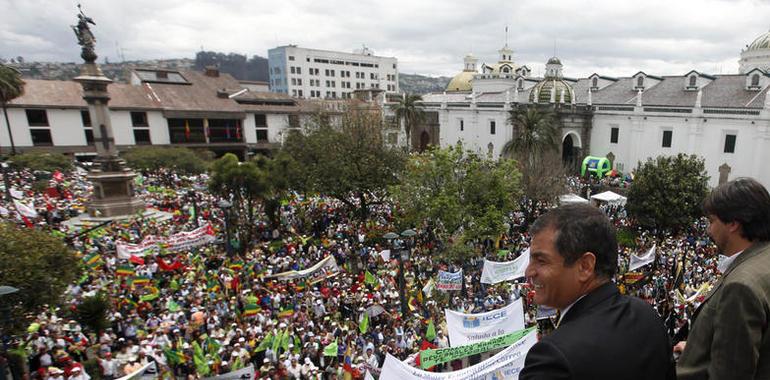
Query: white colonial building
x=313, y=74
x=723, y=118
x=199, y=110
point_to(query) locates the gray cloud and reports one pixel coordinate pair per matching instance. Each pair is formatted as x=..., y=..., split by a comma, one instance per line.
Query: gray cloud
x=429, y=37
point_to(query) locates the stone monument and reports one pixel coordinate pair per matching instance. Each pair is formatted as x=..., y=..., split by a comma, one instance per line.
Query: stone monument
x=113, y=181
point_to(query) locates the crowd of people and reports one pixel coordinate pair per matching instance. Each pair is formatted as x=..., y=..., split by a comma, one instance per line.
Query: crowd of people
x=215, y=308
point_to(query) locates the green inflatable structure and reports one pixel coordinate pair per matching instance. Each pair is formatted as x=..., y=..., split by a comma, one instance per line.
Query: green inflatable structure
x=598, y=166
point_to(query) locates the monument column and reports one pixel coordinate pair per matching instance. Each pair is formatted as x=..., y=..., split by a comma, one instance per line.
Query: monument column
x=113, y=181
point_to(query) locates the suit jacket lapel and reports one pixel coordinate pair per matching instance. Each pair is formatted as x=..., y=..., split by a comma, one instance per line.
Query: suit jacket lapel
x=750, y=252
x=589, y=301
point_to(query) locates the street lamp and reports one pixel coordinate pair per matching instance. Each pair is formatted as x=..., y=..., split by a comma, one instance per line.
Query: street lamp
x=403, y=255
x=193, y=197
x=6, y=181
x=225, y=206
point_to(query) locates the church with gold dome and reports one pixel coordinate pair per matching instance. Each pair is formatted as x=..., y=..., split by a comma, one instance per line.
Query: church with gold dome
x=724, y=118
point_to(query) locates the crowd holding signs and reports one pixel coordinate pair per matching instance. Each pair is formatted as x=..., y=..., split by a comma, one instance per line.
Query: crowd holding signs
x=317, y=297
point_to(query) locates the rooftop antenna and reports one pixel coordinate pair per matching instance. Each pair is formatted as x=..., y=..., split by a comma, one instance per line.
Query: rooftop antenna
x=506, y=35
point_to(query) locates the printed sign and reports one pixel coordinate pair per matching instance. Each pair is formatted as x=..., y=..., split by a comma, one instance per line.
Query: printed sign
x=473, y=328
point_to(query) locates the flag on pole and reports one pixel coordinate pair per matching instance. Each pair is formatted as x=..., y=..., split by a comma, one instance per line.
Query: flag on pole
x=364, y=325
x=369, y=278
x=331, y=349
x=430, y=332
x=250, y=310
x=125, y=270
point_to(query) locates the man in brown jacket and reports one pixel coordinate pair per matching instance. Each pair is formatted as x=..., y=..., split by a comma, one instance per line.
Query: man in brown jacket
x=730, y=337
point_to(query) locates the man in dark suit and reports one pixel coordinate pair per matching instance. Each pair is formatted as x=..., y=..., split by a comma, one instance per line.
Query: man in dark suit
x=601, y=334
x=729, y=337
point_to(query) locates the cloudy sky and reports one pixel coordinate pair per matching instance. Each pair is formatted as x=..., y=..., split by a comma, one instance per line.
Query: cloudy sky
x=430, y=37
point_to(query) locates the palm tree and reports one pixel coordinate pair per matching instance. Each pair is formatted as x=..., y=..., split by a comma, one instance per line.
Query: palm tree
x=11, y=87
x=408, y=109
x=534, y=133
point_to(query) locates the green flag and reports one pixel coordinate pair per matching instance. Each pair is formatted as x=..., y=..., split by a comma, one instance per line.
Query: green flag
x=430, y=333
x=172, y=306
x=201, y=364
x=370, y=279
x=331, y=349
x=364, y=325
x=285, y=340
x=173, y=285
x=265, y=343
x=277, y=341
x=237, y=364
x=172, y=356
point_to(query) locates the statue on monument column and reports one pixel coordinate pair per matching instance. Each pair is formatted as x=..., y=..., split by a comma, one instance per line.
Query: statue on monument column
x=85, y=37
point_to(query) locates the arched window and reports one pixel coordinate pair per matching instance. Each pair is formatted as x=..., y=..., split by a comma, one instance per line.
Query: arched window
x=506, y=70
x=693, y=80
x=755, y=80
x=521, y=84
x=595, y=82
x=640, y=82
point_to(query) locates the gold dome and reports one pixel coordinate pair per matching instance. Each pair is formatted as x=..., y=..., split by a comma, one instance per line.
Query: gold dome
x=461, y=82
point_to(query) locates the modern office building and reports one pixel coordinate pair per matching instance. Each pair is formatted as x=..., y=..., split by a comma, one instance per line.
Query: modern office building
x=322, y=74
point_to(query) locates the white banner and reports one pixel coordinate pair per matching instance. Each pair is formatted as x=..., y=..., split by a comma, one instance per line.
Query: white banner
x=25, y=210
x=174, y=243
x=245, y=373
x=506, y=364
x=449, y=280
x=138, y=373
x=385, y=255
x=495, y=272
x=323, y=269
x=640, y=261
x=473, y=328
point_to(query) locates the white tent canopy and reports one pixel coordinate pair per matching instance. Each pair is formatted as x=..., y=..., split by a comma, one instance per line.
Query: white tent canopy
x=568, y=199
x=610, y=197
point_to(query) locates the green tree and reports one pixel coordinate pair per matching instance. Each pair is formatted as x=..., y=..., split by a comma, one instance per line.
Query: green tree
x=409, y=110
x=92, y=312
x=535, y=146
x=44, y=161
x=246, y=185
x=279, y=170
x=30, y=259
x=667, y=192
x=534, y=133
x=11, y=87
x=182, y=160
x=461, y=194
x=345, y=159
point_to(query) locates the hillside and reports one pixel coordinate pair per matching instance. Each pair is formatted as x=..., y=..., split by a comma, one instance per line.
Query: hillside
x=421, y=84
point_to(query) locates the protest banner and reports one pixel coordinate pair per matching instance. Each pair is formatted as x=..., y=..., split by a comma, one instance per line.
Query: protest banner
x=245, y=373
x=640, y=261
x=449, y=280
x=504, y=365
x=138, y=373
x=473, y=328
x=432, y=357
x=323, y=269
x=177, y=242
x=494, y=272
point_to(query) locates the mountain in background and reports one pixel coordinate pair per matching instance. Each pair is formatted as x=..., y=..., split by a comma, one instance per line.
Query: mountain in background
x=421, y=84
x=239, y=66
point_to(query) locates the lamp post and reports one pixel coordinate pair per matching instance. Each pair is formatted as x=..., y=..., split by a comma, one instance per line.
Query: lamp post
x=5, y=310
x=192, y=196
x=225, y=206
x=403, y=255
x=6, y=181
